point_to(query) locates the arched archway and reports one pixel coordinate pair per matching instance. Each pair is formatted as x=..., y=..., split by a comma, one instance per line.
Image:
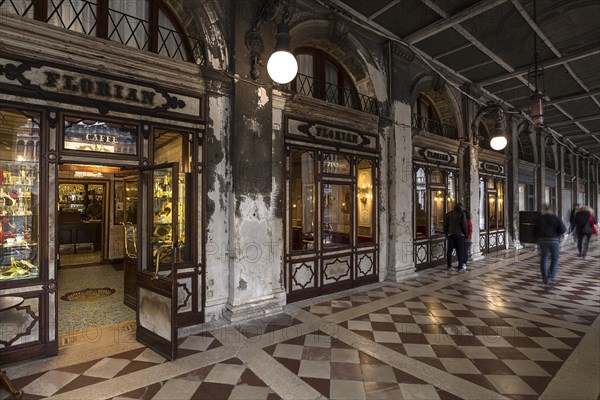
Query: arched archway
x=443, y=100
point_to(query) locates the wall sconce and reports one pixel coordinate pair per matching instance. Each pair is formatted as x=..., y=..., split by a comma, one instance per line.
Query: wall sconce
x=491, y=111
x=364, y=194
x=282, y=65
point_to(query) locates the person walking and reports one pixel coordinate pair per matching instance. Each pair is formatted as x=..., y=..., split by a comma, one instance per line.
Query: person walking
x=585, y=227
x=572, y=230
x=455, y=229
x=548, y=231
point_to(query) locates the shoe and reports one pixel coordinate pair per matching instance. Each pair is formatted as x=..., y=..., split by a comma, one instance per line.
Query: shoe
x=449, y=269
x=550, y=284
x=463, y=269
x=579, y=255
x=545, y=281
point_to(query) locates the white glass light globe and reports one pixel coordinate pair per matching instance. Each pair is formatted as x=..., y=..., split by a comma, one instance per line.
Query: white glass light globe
x=282, y=67
x=498, y=142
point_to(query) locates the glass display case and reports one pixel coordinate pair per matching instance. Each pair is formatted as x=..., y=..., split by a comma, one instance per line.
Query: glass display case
x=19, y=196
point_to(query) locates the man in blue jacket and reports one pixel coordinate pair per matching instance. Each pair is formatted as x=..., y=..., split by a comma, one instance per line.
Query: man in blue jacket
x=548, y=232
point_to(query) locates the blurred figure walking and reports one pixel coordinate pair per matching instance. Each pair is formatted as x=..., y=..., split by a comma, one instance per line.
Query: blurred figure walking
x=572, y=230
x=548, y=231
x=585, y=226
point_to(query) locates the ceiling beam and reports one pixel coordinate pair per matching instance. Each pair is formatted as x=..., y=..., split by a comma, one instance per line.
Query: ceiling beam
x=452, y=51
x=547, y=64
x=536, y=28
x=456, y=19
x=579, y=135
x=384, y=9
x=574, y=121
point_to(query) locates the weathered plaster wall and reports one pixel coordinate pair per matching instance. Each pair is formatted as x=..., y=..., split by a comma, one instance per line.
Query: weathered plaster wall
x=217, y=172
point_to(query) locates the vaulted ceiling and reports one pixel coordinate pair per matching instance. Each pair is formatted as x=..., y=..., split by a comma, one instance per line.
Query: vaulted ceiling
x=490, y=45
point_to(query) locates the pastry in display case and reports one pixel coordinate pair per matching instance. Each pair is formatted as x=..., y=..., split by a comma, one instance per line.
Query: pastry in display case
x=19, y=197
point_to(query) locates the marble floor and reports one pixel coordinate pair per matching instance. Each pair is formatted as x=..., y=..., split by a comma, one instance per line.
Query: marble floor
x=495, y=332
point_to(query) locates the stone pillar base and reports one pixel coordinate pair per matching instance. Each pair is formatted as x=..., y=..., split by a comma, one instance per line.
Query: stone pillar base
x=477, y=256
x=514, y=245
x=257, y=309
x=401, y=273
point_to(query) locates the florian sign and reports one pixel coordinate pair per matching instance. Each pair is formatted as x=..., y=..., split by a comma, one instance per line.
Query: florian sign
x=491, y=168
x=324, y=133
x=100, y=91
x=436, y=156
x=97, y=88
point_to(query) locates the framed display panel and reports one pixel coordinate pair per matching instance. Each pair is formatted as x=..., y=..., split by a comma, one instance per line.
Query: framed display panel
x=20, y=192
x=98, y=136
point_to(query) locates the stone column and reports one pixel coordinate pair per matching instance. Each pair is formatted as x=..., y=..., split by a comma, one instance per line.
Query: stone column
x=577, y=179
x=560, y=184
x=472, y=197
x=256, y=204
x=400, y=262
x=512, y=187
x=588, y=183
x=541, y=168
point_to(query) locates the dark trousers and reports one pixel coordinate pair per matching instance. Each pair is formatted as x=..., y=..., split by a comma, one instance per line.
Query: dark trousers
x=466, y=252
x=455, y=242
x=583, y=239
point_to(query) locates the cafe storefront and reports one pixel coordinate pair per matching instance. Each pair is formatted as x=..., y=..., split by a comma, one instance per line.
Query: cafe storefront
x=71, y=138
x=435, y=193
x=331, y=224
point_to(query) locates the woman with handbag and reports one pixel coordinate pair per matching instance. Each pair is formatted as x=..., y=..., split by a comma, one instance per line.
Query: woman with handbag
x=585, y=225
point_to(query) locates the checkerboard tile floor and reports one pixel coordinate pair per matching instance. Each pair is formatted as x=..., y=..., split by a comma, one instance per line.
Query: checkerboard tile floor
x=495, y=331
x=339, y=371
x=509, y=355
x=229, y=379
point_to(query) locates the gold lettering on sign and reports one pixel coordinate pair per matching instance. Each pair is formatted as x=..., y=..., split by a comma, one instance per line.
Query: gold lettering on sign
x=97, y=87
x=94, y=137
x=434, y=155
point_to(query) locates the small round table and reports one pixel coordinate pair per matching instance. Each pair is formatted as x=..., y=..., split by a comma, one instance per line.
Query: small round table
x=6, y=303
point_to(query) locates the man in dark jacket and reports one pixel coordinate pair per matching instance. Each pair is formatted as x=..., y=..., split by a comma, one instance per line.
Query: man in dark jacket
x=548, y=231
x=455, y=229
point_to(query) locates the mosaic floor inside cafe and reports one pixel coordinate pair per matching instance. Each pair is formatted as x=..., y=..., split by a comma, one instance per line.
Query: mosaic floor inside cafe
x=78, y=310
x=495, y=332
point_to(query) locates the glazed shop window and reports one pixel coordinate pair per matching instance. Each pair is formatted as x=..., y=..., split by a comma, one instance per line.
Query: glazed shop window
x=174, y=147
x=19, y=194
x=421, y=204
x=302, y=199
x=337, y=207
x=365, y=201
x=100, y=136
